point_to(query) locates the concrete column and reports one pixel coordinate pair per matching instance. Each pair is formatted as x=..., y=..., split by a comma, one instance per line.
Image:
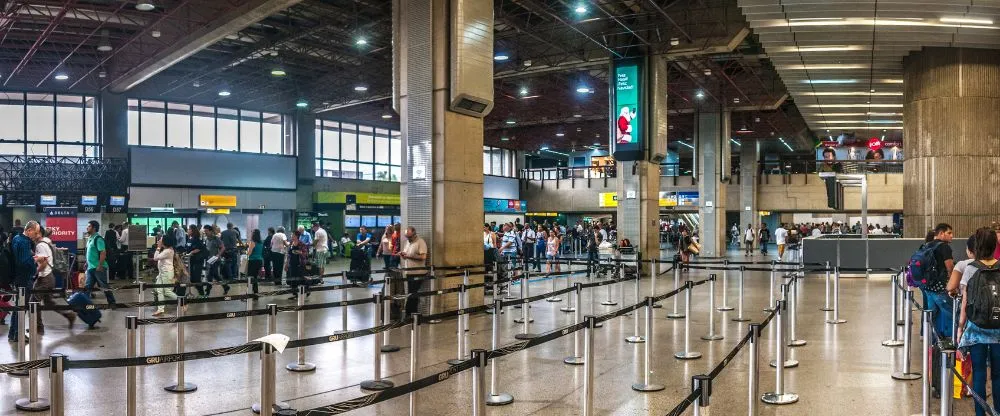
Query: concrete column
x=749, y=175
x=712, y=134
x=304, y=133
x=442, y=183
x=113, y=122
x=950, y=122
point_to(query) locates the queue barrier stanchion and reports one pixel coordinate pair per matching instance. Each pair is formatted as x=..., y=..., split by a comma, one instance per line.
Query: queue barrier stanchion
x=753, y=372
x=725, y=288
x=22, y=322
x=525, y=319
x=343, y=314
x=377, y=383
x=432, y=308
x=588, y=366
x=554, y=298
x=826, y=302
x=300, y=365
x=478, y=383
x=181, y=386
x=677, y=284
x=131, y=381
x=57, y=365
x=249, y=318
x=836, y=299
x=577, y=358
x=770, y=291
x=140, y=314
x=387, y=345
x=793, y=316
x=496, y=398
x=635, y=338
x=621, y=285
x=570, y=305
x=268, y=363
x=607, y=291
x=414, y=359
x=907, y=373
x=783, y=337
x=644, y=385
x=925, y=402
x=460, y=328
x=894, y=292
x=702, y=383
x=654, y=266
x=711, y=336
x=956, y=305
x=947, y=364
x=739, y=302
x=901, y=296
x=687, y=354
x=33, y=403
x=779, y=395
x=465, y=299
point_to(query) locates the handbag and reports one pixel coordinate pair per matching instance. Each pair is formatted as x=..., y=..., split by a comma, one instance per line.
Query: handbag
x=694, y=248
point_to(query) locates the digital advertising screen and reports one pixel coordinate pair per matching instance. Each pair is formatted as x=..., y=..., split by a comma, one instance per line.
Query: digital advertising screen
x=352, y=221
x=627, y=113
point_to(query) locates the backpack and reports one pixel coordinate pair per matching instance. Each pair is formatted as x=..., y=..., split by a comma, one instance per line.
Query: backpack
x=923, y=271
x=7, y=263
x=983, y=296
x=60, y=262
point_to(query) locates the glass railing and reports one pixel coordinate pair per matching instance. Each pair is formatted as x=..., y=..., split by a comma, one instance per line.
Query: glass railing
x=786, y=167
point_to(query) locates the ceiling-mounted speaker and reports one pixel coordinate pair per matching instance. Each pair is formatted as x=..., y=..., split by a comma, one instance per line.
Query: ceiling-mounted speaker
x=471, y=48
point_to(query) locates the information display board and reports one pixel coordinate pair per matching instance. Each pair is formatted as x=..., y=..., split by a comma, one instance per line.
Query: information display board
x=627, y=114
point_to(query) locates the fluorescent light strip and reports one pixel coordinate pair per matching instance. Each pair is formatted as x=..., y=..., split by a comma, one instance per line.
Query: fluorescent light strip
x=868, y=127
x=821, y=67
x=852, y=93
x=861, y=121
x=786, y=144
x=966, y=20
x=853, y=114
x=553, y=151
x=853, y=106
x=978, y=24
x=736, y=142
x=829, y=81
x=688, y=145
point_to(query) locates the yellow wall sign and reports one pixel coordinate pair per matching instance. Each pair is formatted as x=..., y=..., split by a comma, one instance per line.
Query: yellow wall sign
x=608, y=200
x=217, y=201
x=361, y=198
x=542, y=214
x=217, y=211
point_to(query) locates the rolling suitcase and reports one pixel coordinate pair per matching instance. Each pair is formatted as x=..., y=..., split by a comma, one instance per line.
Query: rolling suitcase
x=90, y=316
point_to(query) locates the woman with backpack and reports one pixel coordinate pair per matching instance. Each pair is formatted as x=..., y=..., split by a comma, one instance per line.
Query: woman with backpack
x=164, y=258
x=979, y=328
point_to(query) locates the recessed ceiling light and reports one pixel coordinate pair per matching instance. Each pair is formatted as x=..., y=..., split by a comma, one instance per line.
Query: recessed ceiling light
x=736, y=100
x=155, y=33
x=699, y=94
x=302, y=104
x=361, y=42
x=708, y=72
x=583, y=90
x=104, y=47
x=360, y=88
x=62, y=77
x=560, y=134
x=500, y=57
x=278, y=72
x=523, y=91
x=145, y=6
x=224, y=93
x=577, y=115
x=580, y=9
x=544, y=148
x=503, y=139
x=511, y=122
x=675, y=41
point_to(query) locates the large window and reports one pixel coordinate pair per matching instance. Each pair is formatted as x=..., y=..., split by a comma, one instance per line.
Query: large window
x=345, y=150
x=156, y=123
x=498, y=162
x=40, y=124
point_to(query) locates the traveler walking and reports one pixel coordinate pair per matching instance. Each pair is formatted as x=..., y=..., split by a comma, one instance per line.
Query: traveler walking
x=748, y=240
x=979, y=327
x=530, y=239
x=321, y=246
x=45, y=279
x=279, y=247
x=780, y=238
x=763, y=236
x=255, y=258
x=164, y=258
x=539, y=246
x=111, y=239
x=593, y=243
x=414, y=255
x=215, y=251
x=25, y=267
x=197, y=253
x=230, y=253
x=97, y=265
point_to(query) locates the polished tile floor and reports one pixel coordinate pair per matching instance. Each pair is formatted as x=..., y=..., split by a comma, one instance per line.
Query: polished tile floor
x=844, y=369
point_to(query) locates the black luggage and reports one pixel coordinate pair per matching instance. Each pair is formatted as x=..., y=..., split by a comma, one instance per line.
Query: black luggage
x=90, y=316
x=361, y=267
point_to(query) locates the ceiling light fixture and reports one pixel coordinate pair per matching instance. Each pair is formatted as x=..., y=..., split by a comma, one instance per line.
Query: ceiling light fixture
x=302, y=104
x=675, y=41
x=225, y=93
x=707, y=72
x=786, y=144
x=155, y=33
x=966, y=20
x=104, y=46
x=577, y=115
x=278, y=72
x=580, y=9
x=685, y=144
x=736, y=100
x=544, y=148
x=386, y=116
x=361, y=42
x=511, y=122
x=736, y=142
x=145, y=6
x=61, y=76
x=523, y=92
x=853, y=105
x=560, y=134
x=830, y=81
x=500, y=57
x=505, y=138
x=699, y=94
x=583, y=90
x=360, y=88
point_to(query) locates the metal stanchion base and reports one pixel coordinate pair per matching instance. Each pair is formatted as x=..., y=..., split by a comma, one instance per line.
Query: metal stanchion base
x=740, y=319
x=675, y=316
x=32, y=406
x=181, y=388
x=568, y=309
x=835, y=321
x=714, y=337
x=300, y=368
x=389, y=348
x=573, y=360
x=521, y=321
x=687, y=355
x=499, y=399
x=377, y=385
x=609, y=303
x=789, y=363
x=647, y=387
x=826, y=309
x=554, y=299
x=635, y=339
x=775, y=398
x=892, y=343
x=525, y=336
x=797, y=343
x=280, y=405
x=906, y=376
x=725, y=308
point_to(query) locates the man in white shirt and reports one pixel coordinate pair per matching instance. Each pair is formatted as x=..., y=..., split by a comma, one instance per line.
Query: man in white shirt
x=320, y=243
x=45, y=280
x=529, y=238
x=413, y=255
x=780, y=236
x=279, y=247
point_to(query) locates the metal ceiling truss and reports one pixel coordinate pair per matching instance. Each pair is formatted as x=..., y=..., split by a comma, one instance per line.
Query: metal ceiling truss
x=24, y=178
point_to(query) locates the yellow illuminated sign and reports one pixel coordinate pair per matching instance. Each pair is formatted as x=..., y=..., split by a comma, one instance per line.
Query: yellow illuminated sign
x=218, y=211
x=217, y=201
x=542, y=214
x=361, y=198
x=607, y=200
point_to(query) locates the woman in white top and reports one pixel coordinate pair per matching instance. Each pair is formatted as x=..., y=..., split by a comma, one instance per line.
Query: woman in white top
x=385, y=247
x=552, y=251
x=164, y=257
x=489, y=239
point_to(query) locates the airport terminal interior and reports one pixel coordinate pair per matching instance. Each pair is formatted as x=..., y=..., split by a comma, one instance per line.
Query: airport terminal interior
x=689, y=207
